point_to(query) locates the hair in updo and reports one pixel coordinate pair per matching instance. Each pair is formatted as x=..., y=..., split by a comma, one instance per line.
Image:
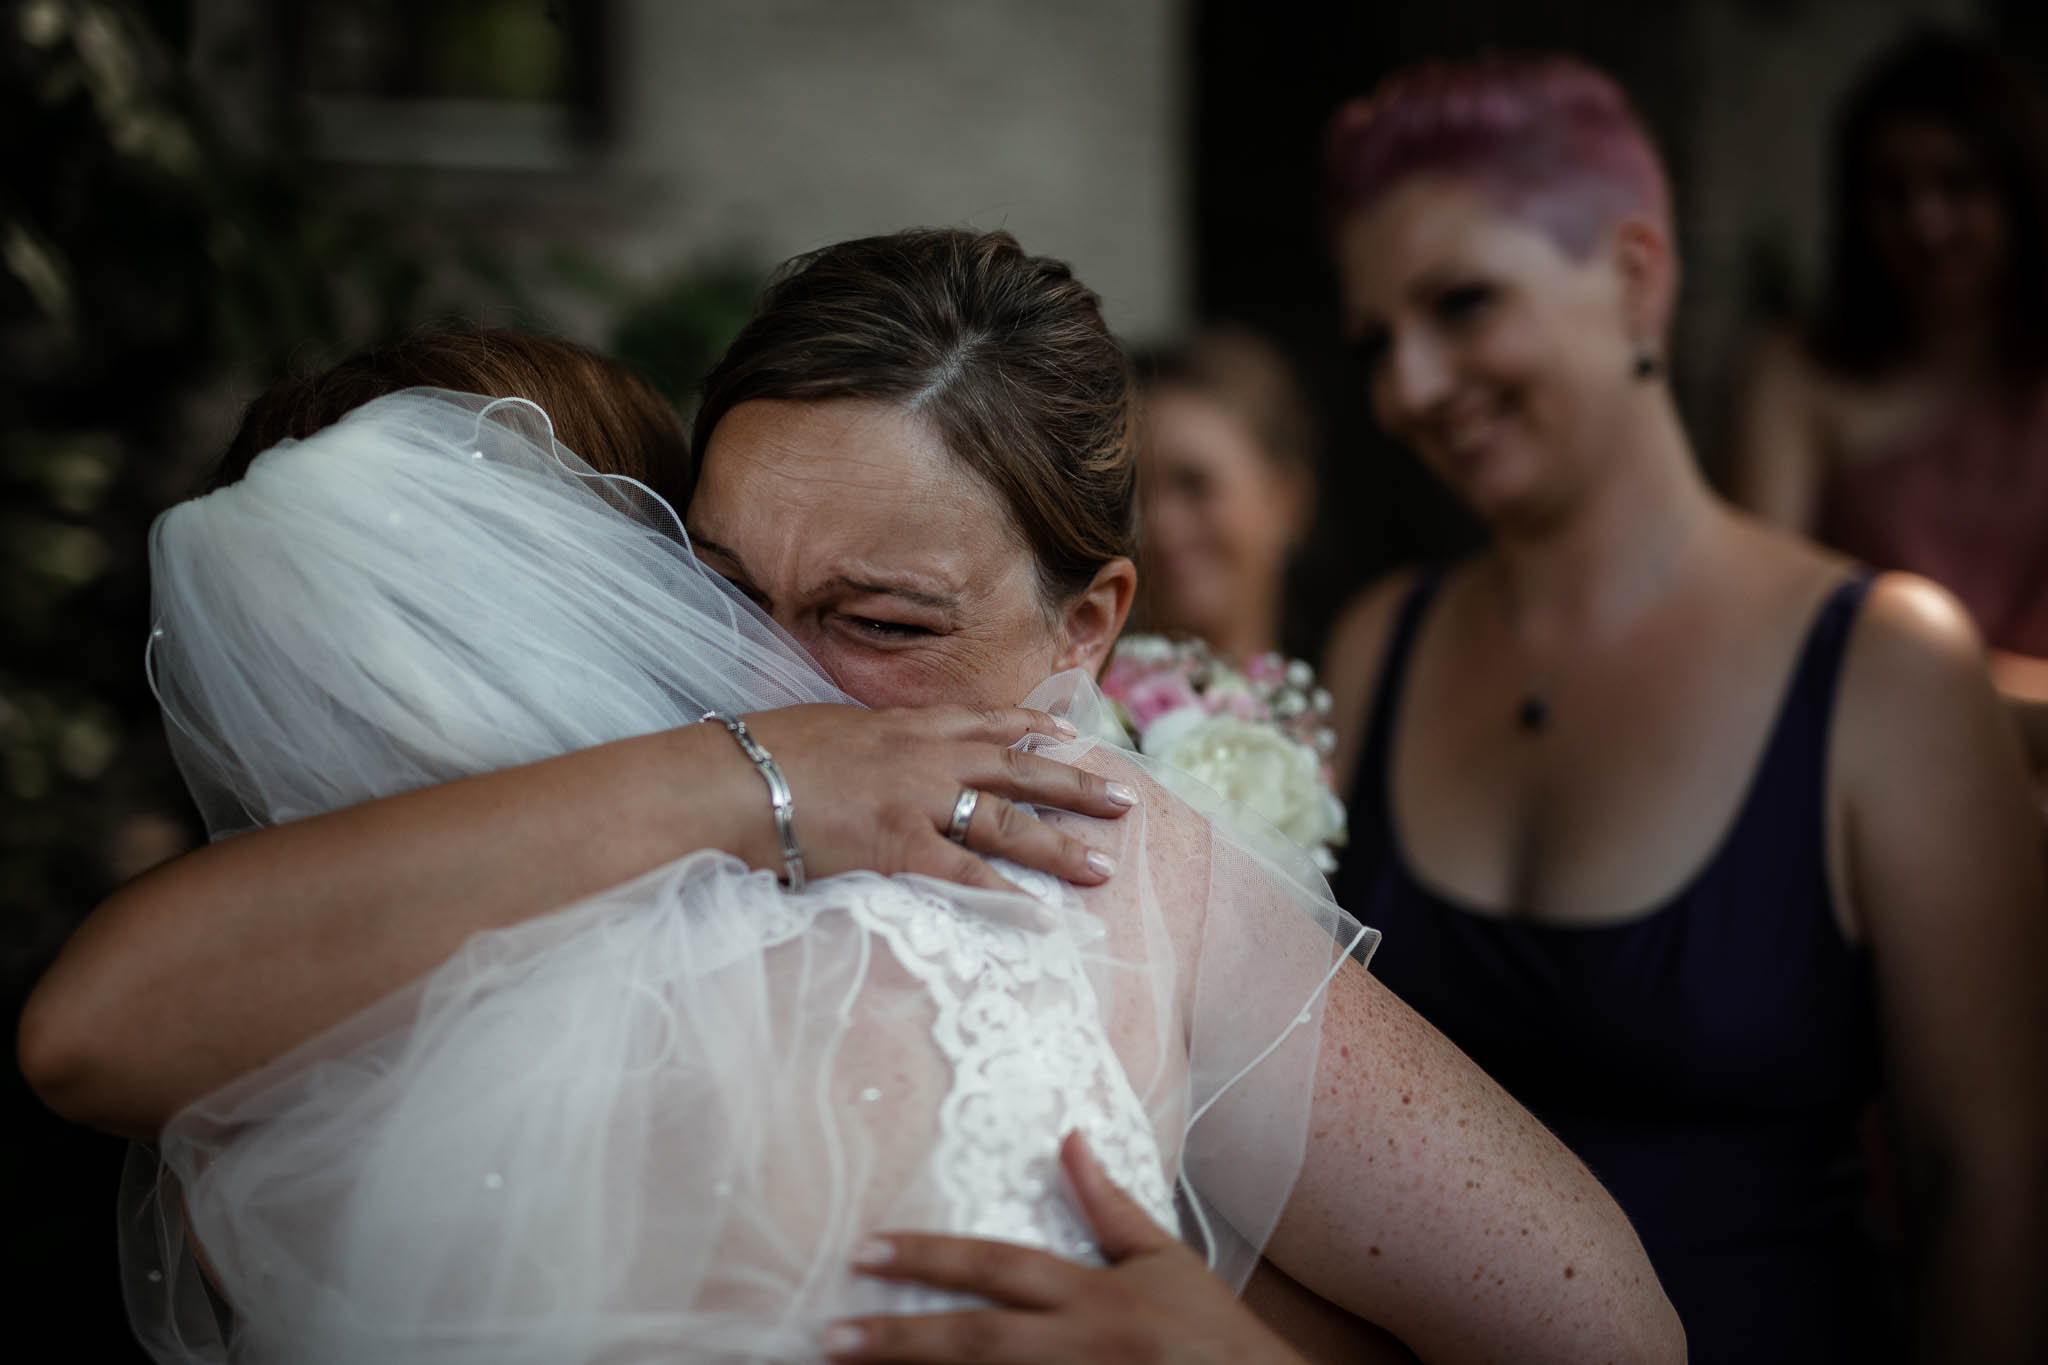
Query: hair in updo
x=1549, y=140
x=1005, y=354
x=599, y=408
x=1248, y=377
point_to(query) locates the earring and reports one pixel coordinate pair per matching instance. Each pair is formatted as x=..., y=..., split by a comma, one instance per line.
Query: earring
x=1646, y=364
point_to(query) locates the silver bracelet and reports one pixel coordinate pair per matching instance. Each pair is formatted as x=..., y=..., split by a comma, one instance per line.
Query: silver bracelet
x=778, y=796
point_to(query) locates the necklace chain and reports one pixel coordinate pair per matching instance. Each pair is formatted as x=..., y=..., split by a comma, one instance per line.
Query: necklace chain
x=1532, y=709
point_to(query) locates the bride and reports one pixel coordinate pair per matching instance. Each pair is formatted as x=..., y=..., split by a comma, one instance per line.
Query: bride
x=665, y=1117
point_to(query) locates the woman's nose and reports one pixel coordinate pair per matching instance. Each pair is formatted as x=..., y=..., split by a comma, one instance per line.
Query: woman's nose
x=1930, y=215
x=1418, y=377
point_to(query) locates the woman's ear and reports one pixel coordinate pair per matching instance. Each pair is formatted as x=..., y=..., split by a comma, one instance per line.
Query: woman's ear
x=1091, y=621
x=1648, y=267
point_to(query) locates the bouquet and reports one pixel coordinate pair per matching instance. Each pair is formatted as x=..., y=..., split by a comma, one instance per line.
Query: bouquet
x=1259, y=735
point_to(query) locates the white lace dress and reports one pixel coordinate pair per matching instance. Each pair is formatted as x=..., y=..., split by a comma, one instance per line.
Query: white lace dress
x=657, y=1125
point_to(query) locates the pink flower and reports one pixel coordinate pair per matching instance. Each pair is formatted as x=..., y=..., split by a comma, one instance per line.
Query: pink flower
x=1123, y=675
x=1269, y=670
x=1244, y=706
x=1151, y=698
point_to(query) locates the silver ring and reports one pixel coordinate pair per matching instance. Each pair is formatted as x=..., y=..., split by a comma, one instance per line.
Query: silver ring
x=963, y=814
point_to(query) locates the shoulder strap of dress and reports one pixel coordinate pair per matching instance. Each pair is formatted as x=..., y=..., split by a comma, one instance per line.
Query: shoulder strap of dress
x=1374, y=754
x=1788, y=791
x=1826, y=646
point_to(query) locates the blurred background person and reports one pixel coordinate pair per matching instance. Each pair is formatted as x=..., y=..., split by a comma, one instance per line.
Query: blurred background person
x=1908, y=426
x=1688, y=832
x=1227, y=461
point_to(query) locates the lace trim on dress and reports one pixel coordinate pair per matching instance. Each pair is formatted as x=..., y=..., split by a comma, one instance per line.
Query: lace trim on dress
x=1018, y=1020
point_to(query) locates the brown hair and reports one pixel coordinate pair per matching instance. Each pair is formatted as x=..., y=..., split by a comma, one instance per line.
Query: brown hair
x=1982, y=96
x=1005, y=354
x=1246, y=375
x=601, y=410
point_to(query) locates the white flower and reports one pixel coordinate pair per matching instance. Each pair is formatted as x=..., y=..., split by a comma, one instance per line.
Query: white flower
x=1149, y=649
x=1257, y=766
x=1169, y=728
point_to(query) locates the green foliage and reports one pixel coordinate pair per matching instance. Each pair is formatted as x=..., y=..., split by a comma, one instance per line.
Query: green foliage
x=150, y=265
x=107, y=316
x=676, y=331
x=145, y=262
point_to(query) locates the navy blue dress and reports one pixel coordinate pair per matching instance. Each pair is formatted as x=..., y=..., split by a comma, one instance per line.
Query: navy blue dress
x=1709, y=1060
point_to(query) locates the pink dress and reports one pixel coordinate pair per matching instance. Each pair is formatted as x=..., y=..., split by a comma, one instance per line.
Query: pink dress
x=1964, y=503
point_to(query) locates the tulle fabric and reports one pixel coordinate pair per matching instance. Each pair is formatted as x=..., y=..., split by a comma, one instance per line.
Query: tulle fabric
x=655, y=1125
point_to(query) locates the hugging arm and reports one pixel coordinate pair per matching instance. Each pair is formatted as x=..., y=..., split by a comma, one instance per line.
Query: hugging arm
x=222, y=960
x=1432, y=1204
x=1428, y=1201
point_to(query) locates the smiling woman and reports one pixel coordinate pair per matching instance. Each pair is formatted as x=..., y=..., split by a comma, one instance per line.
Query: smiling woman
x=1601, y=761
x=1229, y=474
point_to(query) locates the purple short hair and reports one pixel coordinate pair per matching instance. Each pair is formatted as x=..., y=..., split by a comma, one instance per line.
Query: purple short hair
x=1549, y=140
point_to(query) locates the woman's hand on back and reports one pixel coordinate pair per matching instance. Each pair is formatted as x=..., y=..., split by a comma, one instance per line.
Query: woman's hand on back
x=876, y=790
x=1155, y=1301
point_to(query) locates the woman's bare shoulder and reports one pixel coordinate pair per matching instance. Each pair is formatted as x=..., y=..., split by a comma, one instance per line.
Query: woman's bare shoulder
x=1916, y=645
x=1783, y=367
x=1176, y=836
x=1916, y=713
x=1785, y=364
x=1753, y=554
x=1783, y=357
x=1912, y=642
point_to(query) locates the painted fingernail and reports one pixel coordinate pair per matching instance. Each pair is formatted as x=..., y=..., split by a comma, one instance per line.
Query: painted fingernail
x=1121, y=794
x=841, y=1337
x=1101, y=864
x=875, y=1251
x=1065, y=728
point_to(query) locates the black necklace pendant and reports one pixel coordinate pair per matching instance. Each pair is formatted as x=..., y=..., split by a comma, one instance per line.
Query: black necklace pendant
x=1534, y=712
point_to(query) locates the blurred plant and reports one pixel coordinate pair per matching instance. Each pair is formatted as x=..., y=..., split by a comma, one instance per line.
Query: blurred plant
x=675, y=332
x=150, y=264
x=146, y=261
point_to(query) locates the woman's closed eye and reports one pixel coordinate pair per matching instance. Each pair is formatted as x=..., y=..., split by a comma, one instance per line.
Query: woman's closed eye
x=1463, y=303
x=877, y=630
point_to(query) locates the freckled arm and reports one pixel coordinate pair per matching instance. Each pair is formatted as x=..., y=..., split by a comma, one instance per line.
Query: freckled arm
x=1429, y=1202
x=1434, y=1205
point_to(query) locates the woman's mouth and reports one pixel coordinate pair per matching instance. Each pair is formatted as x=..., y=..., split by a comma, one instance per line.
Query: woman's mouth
x=1467, y=438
